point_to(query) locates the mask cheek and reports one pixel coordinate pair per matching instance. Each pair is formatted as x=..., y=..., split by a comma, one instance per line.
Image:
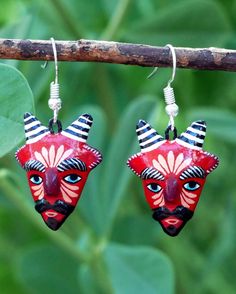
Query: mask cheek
x=71, y=191
x=35, y=181
x=189, y=197
x=153, y=191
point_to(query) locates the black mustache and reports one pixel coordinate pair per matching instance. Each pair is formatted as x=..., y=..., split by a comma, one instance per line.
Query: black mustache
x=59, y=206
x=180, y=212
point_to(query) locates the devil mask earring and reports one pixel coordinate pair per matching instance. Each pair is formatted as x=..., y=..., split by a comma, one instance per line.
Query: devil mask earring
x=57, y=165
x=173, y=172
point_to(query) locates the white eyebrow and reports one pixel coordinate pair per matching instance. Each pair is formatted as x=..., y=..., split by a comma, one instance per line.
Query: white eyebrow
x=33, y=164
x=193, y=172
x=71, y=163
x=152, y=173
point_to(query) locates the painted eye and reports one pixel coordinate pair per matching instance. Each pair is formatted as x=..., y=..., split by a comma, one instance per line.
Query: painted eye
x=154, y=187
x=191, y=186
x=73, y=178
x=36, y=179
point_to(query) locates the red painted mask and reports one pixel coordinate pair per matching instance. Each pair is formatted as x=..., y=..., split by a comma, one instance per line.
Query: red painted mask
x=57, y=166
x=173, y=173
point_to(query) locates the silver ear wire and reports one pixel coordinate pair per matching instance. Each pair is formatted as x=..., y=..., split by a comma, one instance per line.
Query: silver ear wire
x=172, y=108
x=54, y=102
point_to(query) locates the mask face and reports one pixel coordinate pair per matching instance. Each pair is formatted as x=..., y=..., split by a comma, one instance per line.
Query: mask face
x=173, y=173
x=57, y=167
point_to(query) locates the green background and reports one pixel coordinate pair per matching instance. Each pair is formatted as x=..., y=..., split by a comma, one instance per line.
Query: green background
x=110, y=244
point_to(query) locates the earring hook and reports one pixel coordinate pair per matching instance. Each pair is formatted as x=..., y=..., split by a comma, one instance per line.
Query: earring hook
x=172, y=108
x=172, y=50
x=55, y=59
x=54, y=102
x=173, y=65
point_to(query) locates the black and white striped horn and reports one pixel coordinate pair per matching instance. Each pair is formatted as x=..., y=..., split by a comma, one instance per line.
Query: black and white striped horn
x=148, y=138
x=34, y=131
x=194, y=136
x=79, y=129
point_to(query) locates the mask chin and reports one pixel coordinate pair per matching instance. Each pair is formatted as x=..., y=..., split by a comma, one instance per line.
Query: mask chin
x=53, y=223
x=55, y=214
x=172, y=222
x=172, y=230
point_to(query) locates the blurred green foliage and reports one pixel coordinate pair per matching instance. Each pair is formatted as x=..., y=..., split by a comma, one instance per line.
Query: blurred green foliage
x=110, y=244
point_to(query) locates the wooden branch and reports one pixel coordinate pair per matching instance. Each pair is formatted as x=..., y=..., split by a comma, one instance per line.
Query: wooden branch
x=119, y=53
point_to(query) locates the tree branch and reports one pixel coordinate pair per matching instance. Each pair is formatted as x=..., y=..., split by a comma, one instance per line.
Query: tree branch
x=119, y=53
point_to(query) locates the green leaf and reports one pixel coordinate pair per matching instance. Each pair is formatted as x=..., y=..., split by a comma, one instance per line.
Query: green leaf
x=127, y=230
x=90, y=279
x=46, y=269
x=220, y=123
x=195, y=23
x=15, y=99
x=139, y=270
x=14, y=11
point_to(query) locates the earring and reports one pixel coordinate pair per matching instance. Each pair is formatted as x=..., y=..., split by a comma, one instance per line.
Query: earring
x=173, y=172
x=57, y=164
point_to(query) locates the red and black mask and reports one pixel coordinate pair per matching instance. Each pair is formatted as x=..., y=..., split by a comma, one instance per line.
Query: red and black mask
x=57, y=166
x=173, y=173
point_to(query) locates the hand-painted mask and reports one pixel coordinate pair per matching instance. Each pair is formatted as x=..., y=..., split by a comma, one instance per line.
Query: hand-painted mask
x=57, y=166
x=173, y=173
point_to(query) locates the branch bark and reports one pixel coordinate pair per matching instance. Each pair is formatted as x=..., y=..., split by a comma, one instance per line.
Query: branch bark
x=119, y=53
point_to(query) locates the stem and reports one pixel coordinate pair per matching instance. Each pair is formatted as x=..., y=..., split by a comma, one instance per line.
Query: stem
x=116, y=20
x=119, y=53
x=59, y=238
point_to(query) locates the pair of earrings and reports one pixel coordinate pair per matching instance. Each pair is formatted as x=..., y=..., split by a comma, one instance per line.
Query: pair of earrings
x=173, y=172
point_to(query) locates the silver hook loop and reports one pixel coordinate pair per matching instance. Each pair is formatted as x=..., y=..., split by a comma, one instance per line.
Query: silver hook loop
x=55, y=59
x=172, y=108
x=173, y=63
x=54, y=102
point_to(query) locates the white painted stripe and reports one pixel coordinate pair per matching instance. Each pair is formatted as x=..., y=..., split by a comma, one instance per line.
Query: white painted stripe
x=150, y=140
x=143, y=127
x=81, y=124
x=30, y=141
x=34, y=132
x=152, y=147
x=32, y=124
x=68, y=135
x=77, y=131
x=144, y=135
x=190, y=137
x=86, y=118
x=28, y=118
x=196, y=131
x=198, y=124
x=187, y=145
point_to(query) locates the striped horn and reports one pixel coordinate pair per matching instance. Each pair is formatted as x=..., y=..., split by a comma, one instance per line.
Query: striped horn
x=148, y=138
x=194, y=136
x=79, y=129
x=34, y=131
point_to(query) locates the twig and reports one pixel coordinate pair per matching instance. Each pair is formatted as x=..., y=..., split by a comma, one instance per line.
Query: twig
x=119, y=53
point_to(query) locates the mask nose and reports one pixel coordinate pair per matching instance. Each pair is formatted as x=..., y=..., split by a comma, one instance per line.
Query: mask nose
x=51, y=183
x=171, y=191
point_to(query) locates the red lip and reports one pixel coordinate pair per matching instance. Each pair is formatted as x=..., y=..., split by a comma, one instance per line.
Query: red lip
x=172, y=221
x=51, y=213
